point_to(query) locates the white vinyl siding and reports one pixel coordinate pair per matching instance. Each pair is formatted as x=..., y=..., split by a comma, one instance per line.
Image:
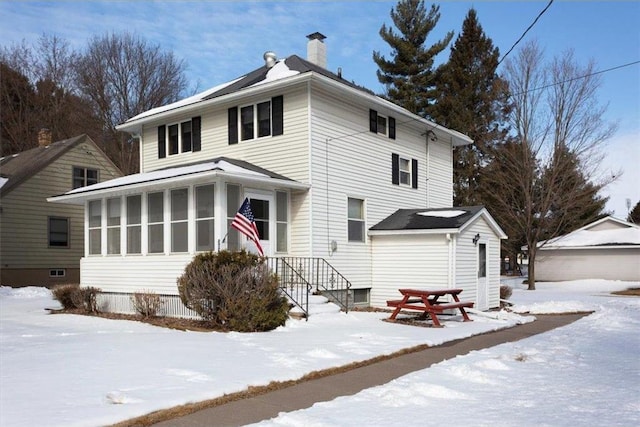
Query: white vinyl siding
x=285, y=154
x=440, y=179
x=593, y=263
x=408, y=261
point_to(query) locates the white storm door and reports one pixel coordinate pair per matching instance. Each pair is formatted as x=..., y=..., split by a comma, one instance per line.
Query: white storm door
x=482, y=300
x=263, y=209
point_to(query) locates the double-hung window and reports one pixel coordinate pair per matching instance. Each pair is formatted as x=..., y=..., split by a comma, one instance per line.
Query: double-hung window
x=58, y=232
x=282, y=221
x=256, y=120
x=113, y=226
x=95, y=227
x=404, y=171
x=355, y=219
x=134, y=224
x=179, y=220
x=155, y=214
x=205, y=238
x=83, y=177
x=382, y=125
x=177, y=138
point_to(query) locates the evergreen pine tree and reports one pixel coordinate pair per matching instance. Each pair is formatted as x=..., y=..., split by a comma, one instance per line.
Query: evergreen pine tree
x=471, y=98
x=409, y=77
x=634, y=215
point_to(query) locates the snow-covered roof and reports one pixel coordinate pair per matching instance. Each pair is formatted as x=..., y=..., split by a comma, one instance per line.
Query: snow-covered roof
x=284, y=70
x=239, y=169
x=589, y=238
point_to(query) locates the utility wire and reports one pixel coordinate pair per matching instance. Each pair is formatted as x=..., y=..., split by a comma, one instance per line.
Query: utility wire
x=576, y=78
x=525, y=32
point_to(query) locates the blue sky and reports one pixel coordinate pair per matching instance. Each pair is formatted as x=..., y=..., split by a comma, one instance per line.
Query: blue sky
x=223, y=40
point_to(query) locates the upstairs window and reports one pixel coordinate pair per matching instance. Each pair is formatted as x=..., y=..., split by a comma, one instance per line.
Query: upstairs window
x=83, y=177
x=256, y=120
x=404, y=171
x=382, y=125
x=179, y=138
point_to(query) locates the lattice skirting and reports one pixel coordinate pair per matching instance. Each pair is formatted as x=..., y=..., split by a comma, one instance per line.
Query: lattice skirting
x=115, y=302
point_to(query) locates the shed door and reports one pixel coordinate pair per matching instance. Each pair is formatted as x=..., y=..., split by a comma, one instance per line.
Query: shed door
x=483, y=288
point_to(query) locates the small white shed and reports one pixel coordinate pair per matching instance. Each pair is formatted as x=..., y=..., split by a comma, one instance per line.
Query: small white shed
x=437, y=248
x=608, y=248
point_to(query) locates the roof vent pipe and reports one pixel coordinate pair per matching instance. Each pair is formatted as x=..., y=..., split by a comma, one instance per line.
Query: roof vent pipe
x=270, y=59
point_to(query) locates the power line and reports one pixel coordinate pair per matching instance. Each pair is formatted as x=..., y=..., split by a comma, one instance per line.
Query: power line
x=526, y=31
x=577, y=78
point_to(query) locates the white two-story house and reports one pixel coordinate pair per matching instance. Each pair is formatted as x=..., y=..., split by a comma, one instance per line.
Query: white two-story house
x=343, y=185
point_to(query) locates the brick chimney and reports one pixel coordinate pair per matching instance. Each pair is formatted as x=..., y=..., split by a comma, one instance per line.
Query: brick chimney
x=317, y=50
x=44, y=137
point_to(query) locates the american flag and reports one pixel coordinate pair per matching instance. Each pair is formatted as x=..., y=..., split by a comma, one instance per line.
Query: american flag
x=246, y=224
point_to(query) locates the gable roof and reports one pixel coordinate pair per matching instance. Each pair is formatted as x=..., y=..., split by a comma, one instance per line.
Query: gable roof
x=623, y=234
x=159, y=178
x=433, y=221
x=290, y=70
x=17, y=168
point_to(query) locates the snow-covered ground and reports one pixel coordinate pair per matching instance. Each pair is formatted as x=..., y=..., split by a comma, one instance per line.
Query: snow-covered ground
x=67, y=370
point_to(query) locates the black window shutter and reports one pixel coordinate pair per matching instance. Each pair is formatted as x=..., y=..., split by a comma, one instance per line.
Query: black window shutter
x=196, y=132
x=277, y=127
x=162, y=146
x=392, y=128
x=414, y=173
x=373, y=121
x=233, y=125
x=395, y=169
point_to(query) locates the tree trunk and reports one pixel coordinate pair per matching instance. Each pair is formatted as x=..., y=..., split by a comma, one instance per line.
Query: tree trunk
x=531, y=280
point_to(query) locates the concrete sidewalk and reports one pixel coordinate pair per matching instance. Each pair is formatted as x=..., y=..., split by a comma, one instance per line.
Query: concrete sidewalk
x=304, y=395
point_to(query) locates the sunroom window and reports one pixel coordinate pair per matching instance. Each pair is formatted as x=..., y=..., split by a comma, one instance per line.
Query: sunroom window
x=179, y=220
x=155, y=213
x=95, y=227
x=205, y=238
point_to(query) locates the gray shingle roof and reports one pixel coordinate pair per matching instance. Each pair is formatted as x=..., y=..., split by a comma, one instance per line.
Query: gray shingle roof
x=415, y=219
x=19, y=167
x=295, y=63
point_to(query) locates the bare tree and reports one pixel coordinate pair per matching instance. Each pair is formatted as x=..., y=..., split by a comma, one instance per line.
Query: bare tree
x=38, y=91
x=547, y=174
x=123, y=76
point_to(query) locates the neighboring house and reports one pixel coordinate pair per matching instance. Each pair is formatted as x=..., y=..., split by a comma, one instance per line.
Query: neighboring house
x=42, y=243
x=608, y=248
x=321, y=160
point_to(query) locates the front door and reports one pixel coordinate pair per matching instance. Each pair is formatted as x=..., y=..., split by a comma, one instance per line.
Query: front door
x=482, y=300
x=262, y=206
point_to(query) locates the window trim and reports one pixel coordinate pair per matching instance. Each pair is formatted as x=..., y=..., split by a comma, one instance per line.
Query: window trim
x=276, y=120
x=68, y=232
x=360, y=220
x=55, y=272
x=396, y=173
x=390, y=124
x=85, y=173
x=164, y=141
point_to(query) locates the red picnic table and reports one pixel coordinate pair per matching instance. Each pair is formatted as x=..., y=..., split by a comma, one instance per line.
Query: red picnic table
x=427, y=300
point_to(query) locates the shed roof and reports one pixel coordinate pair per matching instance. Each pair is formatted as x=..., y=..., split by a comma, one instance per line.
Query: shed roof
x=442, y=220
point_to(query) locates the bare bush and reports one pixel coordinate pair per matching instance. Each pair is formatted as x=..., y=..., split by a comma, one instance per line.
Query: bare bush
x=147, y=304
x=64, y=294
x=86, y=299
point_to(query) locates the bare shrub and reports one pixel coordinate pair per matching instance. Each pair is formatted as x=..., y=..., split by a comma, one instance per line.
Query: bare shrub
x=234, y=290
x=505, y=293
x=147, y=304
x=86, y=299
x=64, y=294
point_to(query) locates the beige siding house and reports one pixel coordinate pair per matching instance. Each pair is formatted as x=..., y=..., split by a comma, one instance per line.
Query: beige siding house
x=608, y=248
x=42, y=243
x=320, y=159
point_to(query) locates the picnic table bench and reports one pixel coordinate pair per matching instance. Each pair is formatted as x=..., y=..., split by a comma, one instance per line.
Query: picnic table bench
x=427, y=301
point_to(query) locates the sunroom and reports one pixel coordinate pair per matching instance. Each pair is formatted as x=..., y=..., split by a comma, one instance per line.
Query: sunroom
x=142, y=230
